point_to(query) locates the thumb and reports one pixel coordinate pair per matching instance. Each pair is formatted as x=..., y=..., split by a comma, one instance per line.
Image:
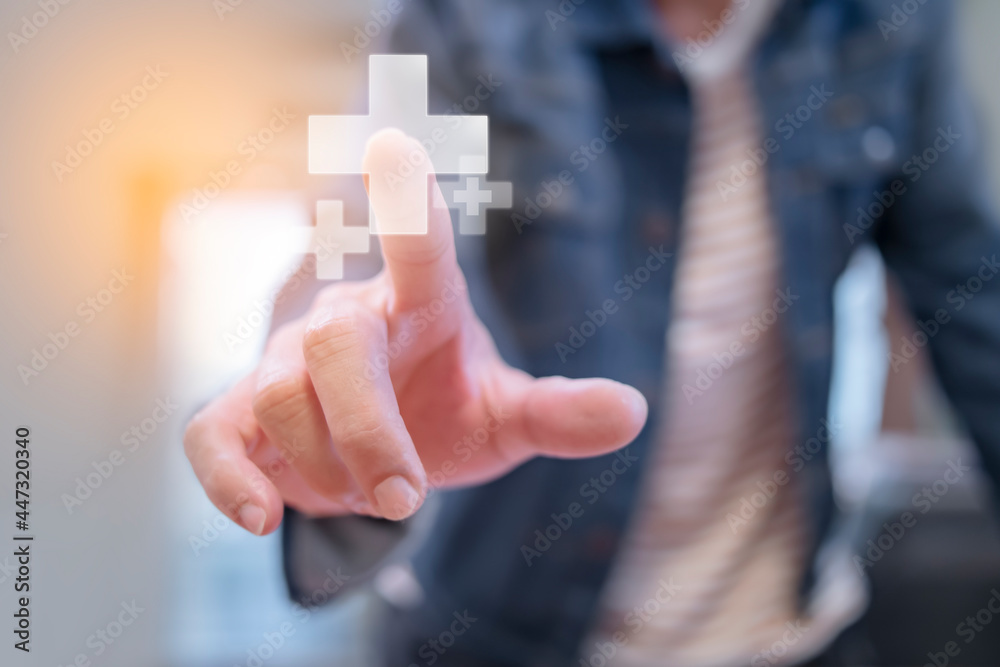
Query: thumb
x=567, y=418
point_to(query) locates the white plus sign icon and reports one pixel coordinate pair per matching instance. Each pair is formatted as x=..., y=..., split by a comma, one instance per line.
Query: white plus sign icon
x=473, y=200
x=472, y=196
x=331, y=240
x=398, y=98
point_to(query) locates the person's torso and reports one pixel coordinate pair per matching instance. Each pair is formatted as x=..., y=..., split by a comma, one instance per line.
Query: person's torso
x=592, y=123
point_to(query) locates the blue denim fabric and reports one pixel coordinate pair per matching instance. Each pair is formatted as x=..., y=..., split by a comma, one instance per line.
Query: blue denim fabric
x=880, y=96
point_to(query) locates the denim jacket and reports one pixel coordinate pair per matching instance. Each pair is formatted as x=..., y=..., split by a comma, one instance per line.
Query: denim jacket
x=868, y=139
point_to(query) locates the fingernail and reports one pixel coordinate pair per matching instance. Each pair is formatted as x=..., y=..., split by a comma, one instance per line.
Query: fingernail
x=253, y=518
x=396, y=498
x=636, y=402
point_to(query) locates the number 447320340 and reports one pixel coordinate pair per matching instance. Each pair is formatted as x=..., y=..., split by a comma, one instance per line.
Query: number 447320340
x=22, y=477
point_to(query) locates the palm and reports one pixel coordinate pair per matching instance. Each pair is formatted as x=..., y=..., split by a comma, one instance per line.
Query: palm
x=456, y=414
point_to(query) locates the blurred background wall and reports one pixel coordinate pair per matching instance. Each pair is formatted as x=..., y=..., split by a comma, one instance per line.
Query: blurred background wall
x=166, y=94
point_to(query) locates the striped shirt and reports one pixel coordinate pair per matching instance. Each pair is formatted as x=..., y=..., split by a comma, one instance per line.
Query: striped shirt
x=710, y=568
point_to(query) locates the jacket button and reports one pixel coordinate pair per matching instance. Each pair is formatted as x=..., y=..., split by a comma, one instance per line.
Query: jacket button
x=848, y=110
x=878, y=144
x=600, y=542
x=656, y=228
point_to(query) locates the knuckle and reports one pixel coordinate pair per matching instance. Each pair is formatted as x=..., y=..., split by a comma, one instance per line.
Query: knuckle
x=364, y=431
x=344, y=330
x=272, y=467
x=424, y=256
x=282, y=400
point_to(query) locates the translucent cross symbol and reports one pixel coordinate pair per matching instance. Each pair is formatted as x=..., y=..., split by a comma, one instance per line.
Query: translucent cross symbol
x=477, y=199
x=472, y=196
x=398, y=98
x=331, y=240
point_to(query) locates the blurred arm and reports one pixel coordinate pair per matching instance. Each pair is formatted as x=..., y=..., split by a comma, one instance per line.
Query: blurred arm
x=943, y=242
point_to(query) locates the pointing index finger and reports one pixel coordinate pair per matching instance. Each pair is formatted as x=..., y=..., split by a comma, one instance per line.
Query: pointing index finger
x=417, y=239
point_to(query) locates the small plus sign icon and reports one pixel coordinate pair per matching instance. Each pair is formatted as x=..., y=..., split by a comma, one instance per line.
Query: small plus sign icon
x=331, y=240
x=398, y=98
x=472, y=196
x=477, y=198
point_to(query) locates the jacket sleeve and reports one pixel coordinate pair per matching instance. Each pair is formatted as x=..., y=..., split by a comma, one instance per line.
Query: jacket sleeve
x=942, y=241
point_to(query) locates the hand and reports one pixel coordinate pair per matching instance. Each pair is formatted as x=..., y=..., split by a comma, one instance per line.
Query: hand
x=390, y=387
